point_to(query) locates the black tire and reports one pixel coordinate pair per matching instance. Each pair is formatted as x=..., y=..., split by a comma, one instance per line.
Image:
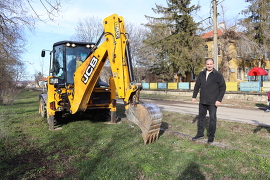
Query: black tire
x=42, y=108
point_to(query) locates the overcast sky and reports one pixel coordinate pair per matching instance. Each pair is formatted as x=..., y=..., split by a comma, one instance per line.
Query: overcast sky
x=133, y=11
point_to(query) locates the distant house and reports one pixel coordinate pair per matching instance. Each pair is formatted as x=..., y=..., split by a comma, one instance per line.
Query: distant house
x=43, y=82
x=32, y=84
x=21, y=83
x=239, y=68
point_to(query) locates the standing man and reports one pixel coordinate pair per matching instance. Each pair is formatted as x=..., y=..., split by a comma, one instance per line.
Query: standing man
x=212, y=89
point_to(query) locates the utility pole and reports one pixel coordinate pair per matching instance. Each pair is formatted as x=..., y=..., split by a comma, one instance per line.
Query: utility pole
x=215, y=40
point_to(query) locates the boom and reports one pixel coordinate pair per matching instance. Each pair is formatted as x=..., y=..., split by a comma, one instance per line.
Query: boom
x=115, y=49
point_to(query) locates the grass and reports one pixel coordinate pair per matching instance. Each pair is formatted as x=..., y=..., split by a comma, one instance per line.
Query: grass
x=85, y=149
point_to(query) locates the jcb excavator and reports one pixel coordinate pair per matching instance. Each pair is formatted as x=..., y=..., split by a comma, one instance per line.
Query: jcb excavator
x=74, y=83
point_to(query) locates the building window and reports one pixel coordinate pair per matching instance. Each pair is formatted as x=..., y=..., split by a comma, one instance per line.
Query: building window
x=206, y=51
x=246, y=70
x=267, y=77
x=239, y=73
x=266, y=56
x=243, y=72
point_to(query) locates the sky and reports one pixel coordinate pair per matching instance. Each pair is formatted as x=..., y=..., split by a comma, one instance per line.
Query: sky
x=63, y=27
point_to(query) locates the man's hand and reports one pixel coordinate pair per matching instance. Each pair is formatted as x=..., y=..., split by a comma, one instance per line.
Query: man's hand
x=193, y=100
x=217, y=103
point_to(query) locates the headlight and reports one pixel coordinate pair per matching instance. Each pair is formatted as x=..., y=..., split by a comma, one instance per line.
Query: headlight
x=53, y=80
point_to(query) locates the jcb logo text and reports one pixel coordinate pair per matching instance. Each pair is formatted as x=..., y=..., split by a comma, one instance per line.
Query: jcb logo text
x=89, y=70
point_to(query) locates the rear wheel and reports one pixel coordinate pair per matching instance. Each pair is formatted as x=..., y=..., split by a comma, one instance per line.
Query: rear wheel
x=42, y=108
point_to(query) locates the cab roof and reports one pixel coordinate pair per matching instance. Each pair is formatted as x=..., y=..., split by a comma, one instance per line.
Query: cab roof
x=75, y=42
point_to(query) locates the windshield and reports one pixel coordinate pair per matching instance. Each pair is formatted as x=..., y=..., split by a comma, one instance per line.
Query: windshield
x=75, y=56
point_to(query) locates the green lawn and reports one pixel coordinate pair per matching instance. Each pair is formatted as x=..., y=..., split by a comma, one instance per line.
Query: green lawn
x=85, y=149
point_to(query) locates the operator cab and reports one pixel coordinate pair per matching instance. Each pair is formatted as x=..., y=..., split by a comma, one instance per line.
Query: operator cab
x=66, y=57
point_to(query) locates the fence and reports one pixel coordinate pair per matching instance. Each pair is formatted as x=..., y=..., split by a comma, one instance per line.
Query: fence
x=230, y=86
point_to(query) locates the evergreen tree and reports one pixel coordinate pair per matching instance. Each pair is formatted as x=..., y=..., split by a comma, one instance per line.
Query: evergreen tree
x=173, y=40
x=257, y=24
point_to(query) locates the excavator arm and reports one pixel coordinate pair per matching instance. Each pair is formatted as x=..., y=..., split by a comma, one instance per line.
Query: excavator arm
x=115, y=48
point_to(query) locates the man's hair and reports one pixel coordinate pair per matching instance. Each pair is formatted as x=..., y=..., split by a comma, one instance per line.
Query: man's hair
x=210, y=59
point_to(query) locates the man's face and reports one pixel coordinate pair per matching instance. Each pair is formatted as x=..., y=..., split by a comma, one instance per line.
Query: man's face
x=209, y=65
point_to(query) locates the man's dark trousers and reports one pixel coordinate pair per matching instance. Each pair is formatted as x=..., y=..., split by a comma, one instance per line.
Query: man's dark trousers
x=202, y=117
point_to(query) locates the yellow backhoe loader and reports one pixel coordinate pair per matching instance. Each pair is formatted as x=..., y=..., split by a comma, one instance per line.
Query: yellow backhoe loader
x=74, y=83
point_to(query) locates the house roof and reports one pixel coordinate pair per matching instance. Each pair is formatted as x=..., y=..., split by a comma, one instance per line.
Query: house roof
x=43, y=79
x=211, y=34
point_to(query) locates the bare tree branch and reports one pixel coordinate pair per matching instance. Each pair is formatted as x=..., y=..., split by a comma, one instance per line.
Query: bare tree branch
x=15, y=17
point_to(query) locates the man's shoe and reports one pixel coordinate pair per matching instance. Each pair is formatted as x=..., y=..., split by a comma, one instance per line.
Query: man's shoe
x=210, y=140
x=197, y=138
x=267, y=110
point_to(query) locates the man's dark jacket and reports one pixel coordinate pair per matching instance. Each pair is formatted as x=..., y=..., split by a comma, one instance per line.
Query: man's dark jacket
x=211, y=90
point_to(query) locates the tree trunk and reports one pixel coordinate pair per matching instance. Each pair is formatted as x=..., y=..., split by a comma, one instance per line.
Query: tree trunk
x=225, y=68
x=225, y=65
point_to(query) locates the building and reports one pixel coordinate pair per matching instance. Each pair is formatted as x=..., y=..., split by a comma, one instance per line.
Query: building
x=239, y=67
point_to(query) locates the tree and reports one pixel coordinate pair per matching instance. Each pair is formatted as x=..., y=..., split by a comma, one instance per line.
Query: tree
x=38, y=77
x=90, y=28
x=173, y=40
x=229, y=37
x=257, y=24
x=15, y=17
x=136, y=35
x=248, y=49
x=11, y=36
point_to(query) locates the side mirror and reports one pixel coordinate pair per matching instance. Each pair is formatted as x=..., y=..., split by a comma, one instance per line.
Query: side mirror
x=43, y=53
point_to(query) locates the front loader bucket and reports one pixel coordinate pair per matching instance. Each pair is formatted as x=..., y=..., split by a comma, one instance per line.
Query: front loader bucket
x=148, y=117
